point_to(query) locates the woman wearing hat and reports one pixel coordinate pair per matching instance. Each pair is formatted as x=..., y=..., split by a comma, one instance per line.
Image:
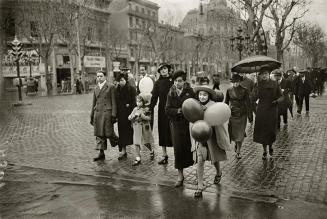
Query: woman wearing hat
x=266, y=92
x=237, y=97
x=125, y=99
x=160, y=91
x=178, y=93
x=215, y=148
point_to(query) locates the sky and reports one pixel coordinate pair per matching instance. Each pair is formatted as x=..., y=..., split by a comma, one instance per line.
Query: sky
x=178, y=9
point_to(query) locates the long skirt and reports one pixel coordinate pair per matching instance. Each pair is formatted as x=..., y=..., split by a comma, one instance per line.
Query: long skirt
x=237, y=126
x=182, y=143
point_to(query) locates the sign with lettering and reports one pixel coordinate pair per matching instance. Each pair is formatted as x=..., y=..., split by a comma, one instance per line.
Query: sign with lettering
x=94, y=61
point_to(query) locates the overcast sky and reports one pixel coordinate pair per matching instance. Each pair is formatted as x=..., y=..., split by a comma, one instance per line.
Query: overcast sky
x=317, y=13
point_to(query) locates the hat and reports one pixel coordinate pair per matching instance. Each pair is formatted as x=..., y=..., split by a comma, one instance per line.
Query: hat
x=277, y=72
x=303, y=71
x=124, y=68
x=264, y=68
x=146, y=98
x=179, y=73
x=236, y=78
x=161, y=65
x=207, y=89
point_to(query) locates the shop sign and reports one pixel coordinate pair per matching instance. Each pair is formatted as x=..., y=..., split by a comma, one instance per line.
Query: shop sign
x=11, y=71
x=94, y=61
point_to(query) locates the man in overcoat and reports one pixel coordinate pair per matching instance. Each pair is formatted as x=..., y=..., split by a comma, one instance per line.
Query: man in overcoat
x=304, y=88
x=103, y=114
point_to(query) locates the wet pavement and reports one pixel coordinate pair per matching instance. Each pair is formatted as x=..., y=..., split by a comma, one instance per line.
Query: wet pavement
x=38, y=193
x=54, y=134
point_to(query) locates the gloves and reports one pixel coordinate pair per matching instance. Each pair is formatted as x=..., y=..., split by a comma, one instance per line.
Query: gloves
x=113, y=119
x=274, y=102
x=92, y=122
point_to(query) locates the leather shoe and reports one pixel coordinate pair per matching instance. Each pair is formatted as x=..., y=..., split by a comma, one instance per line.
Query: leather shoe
x=122, y=156
x=100, y=157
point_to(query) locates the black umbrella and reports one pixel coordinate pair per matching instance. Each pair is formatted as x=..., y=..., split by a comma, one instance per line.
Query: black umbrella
x=255, y=63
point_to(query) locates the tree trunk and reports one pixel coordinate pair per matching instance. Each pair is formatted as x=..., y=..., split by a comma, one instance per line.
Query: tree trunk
x=72, y=79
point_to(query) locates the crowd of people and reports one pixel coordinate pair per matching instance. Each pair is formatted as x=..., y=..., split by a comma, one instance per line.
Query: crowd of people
x=263, y=100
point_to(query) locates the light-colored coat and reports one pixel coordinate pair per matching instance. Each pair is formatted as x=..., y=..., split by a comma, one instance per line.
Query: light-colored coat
x=103, y=109
x=218, y=143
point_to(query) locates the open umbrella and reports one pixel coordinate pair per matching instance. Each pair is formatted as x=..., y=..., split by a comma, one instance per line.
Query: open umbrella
x=255, y=63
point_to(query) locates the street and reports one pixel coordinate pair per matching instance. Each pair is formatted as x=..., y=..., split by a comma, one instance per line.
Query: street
x=50, y=147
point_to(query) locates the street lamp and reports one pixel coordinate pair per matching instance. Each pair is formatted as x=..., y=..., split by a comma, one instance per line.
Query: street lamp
x=240, y=43
x=16, y=52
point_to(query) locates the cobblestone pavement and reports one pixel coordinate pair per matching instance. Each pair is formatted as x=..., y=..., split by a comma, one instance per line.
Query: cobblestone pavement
x=54, y=133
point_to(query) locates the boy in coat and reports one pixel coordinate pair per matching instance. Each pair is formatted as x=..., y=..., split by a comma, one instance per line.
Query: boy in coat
x=103, y=115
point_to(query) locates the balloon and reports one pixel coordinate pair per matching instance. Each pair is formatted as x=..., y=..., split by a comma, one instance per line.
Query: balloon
x=219, y=96
x=217, y=114
x=201, y=131
x=146, y=85
x=192, y=110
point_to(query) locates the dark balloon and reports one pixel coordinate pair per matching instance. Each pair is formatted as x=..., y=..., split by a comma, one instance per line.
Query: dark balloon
x=192, y=110
x=219, y=96
x=201, y=131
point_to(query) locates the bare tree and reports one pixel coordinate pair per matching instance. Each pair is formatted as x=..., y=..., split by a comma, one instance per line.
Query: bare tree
x=310, y=38
x=252, y=12
x=284, y=14
x=69, y=15
x=41, y=17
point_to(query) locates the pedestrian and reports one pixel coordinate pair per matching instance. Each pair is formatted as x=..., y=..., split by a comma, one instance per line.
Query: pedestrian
x=125, y=100
x=103, y=115
x=285, y=101
x=160, y=91
x=36, y=85
x=141, y=117
x=303, y=87
x=215, y=148
x=238, y=99
x=179, y=126
x=266, y=93
x=78, y=87
x=216, y=81
x=248, y=84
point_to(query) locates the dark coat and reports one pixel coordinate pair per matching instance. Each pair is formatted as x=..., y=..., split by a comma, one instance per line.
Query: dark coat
x=265, y=127
x=239, y=102
x=126, y=101
x=285, y=101
x=180, y=130
x=303, y=88
x=103, y=109
x=160, y=91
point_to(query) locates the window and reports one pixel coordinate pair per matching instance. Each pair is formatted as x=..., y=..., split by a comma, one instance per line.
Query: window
x=9, y=23
x=130, y=21
x=100, y=34
x=34, y=29
x=65, y=59
x=143, y=11
x=143, y=23
x=153, y=14
x=89, y=33
x=137, y=21
x=137, y=8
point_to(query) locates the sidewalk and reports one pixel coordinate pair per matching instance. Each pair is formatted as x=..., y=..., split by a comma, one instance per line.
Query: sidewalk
x=54, y=133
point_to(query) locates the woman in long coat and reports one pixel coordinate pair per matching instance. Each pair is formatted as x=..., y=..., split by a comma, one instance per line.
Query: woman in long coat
x=125, y=99
x=237, y=97
x=267, y=93
x=160, y=91
x=179, y=92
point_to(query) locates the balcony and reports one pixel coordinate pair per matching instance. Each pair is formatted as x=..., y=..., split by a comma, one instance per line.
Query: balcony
x=142, y=15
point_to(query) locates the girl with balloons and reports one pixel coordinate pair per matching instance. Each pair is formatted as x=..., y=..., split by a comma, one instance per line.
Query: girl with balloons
x=237, y=97
x=212, y=140
x=179, y=92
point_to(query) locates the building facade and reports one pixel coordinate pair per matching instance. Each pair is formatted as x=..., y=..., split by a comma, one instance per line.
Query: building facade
x=211, y=26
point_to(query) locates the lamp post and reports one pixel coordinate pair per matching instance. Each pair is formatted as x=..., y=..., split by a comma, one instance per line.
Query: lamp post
x=16, y=52
x=240, y=42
